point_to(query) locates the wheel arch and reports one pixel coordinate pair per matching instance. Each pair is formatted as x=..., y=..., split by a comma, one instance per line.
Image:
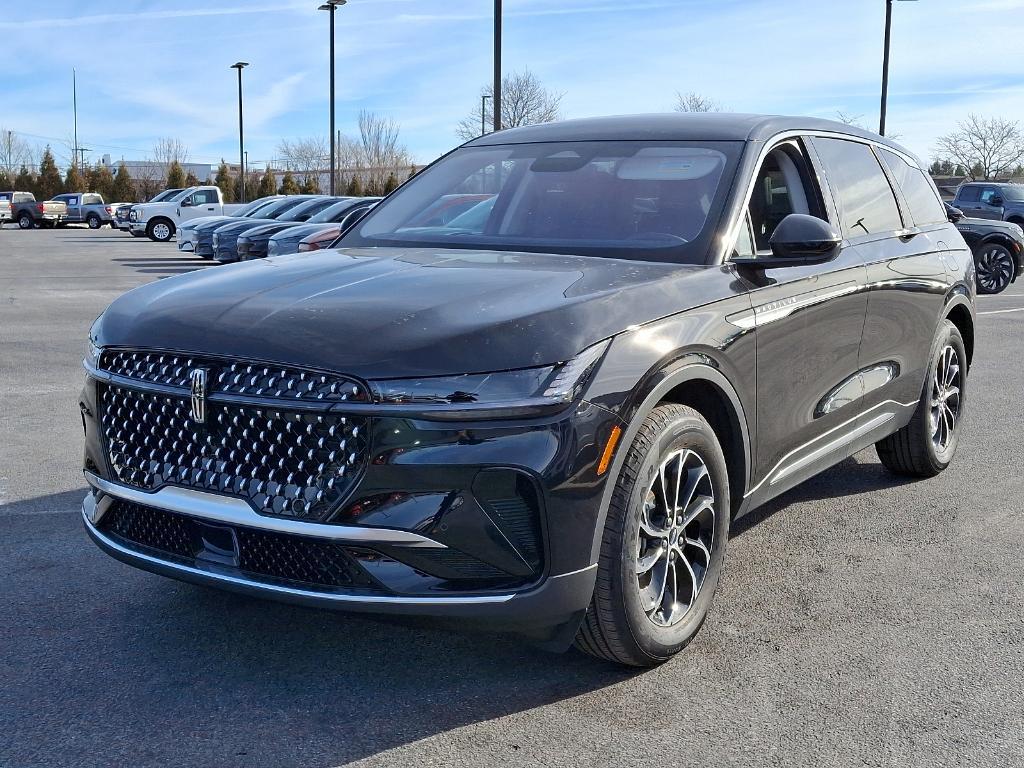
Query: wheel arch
x=960, y=313
x=707, y=390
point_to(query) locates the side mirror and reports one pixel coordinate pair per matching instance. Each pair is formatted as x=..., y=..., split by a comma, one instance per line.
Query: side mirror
x=801, y=239
x=997, y=202
x=953, y=214
x=187, y=203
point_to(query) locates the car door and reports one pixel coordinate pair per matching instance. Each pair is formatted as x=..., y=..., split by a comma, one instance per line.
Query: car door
x=968, y=200
x=908, y=281
x=808, y=322
x=204, y=203
x=73, y=203
x=990, y=204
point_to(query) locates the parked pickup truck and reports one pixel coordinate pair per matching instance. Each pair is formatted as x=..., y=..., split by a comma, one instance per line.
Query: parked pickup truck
x=121, y=220
x=86, y=208
x=991, y=200
x=159, y=221
x=28, y=213
x=5, y=211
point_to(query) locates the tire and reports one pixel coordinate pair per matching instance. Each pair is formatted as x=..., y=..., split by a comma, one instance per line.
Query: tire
x=160, y=230
x=133, y=233
x=925, y=446
x=93, y=221
x=25, y=221
x=994, y=268
x=627, y=621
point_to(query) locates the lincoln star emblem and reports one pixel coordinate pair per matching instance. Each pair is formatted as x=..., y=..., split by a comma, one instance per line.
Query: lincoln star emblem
x=197, y=376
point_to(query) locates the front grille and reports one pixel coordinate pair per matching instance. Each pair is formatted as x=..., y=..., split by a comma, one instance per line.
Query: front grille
x=287, y=463
x=233, y=377
x=277, y=556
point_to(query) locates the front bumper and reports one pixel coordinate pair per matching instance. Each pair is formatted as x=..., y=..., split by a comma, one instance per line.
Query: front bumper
x=137, y=226
x=419, y=498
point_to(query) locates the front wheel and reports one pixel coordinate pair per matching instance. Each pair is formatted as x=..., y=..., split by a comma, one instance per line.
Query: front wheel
x=663, y=544
x=161, y=231
x=926, y=445
x=994, y=266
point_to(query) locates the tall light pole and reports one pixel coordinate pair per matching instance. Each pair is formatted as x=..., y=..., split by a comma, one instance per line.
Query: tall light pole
x=329, y=6
x=240, y=65
x=483, y=113
x=885, y=65
x=497, y=65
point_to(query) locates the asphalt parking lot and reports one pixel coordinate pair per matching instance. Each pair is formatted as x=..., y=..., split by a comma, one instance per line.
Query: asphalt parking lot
x=862, y=620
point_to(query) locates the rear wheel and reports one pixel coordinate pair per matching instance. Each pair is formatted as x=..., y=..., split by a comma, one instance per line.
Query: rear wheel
x=663, y=544
x=994, y=266
x=926, y=445
x=25, y=221
x=94, y=221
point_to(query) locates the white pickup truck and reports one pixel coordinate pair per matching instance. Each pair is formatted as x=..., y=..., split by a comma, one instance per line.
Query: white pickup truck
x=159, y=221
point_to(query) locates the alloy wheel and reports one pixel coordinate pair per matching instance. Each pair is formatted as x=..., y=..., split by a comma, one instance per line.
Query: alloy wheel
x=994, y=268
x=945, y=404
x=161, y=232
x=675, y=538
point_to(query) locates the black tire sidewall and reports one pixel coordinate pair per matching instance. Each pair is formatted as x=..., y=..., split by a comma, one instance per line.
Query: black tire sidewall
x=948, y=334
x=94, y=222
x=683, y=432
x=23, y=218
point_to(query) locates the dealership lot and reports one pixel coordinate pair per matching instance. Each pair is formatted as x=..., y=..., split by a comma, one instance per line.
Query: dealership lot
x=862, y=619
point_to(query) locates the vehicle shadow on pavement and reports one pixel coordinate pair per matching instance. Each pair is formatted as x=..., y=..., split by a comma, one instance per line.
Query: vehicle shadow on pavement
x=855, y=475
x=120, y=661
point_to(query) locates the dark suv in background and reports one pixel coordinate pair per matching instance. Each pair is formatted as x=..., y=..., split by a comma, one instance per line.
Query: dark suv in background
x=545, y=415
x=998, y=248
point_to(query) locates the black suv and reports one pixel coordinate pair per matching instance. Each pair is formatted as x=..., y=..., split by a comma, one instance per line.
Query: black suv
x=546, y=412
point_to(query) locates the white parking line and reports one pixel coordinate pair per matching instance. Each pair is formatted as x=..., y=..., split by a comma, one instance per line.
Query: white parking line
x=1002, y=311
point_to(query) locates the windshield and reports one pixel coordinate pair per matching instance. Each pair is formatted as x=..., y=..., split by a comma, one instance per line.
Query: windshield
x=307, y=209
x=255, y=206
x=1013, y=192
x=166, y=195
x=278, y=207
x=328, y=215
x=624, y=199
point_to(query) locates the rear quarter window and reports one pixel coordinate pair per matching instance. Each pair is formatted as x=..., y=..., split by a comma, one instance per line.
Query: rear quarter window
x=968, y=194
x=918, y=190
x=866, y=200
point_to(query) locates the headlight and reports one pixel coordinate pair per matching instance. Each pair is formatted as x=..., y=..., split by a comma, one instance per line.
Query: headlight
x=92, y=355
x=526, y=388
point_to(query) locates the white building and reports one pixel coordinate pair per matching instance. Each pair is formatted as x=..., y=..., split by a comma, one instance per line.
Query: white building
x=150, y=169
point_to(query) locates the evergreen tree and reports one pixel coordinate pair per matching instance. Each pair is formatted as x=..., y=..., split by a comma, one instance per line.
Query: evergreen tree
x=355, y=187
x=101, y=180
x=413, y=170
x=391, y=184
x=123, y=188
x=49, y=182
x=224, y=181
x=176, y=176
x=311, y=185
x=191, y=180
x=288, y=185
x=5, y=180
x=268, y=184
x=372, y=188
x=73, y=181
x=25, y=181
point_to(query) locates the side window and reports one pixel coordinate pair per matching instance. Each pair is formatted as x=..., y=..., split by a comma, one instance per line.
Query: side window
x=968, y=194
x=919, y=191
x=866, y=200
x=782, y=186
x=987, y=193
x=204, y=197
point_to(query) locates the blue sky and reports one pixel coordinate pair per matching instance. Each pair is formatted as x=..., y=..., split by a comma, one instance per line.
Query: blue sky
x=152, y=69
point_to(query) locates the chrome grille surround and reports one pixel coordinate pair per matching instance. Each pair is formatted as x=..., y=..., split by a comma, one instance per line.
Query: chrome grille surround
x=289, y=462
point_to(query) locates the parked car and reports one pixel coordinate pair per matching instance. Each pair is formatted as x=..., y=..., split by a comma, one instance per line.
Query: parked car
x=5, y=212
x=186, y=233
x=86, y=208
x=326, y=226
x=997, y=247
x=550, y=423
x=159, y=220
x=225, y=237
x=29, y=213
x=200, y=236
x=121, y=212
x=991, y=200
x=253, y=243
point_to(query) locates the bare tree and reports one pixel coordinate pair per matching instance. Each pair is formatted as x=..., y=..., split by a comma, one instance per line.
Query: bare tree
x=696, y=102
x=168, y=150
x=987, y=147
x=308, y=157
x=382, y=155
x=14, y=153
x=524, y=101
x=850, y=119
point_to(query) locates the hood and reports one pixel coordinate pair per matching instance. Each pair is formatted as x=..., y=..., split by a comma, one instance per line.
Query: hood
x=264, y=231
x=204, y=221
x=993, y=225
x=299, y=231
x=394, y=312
